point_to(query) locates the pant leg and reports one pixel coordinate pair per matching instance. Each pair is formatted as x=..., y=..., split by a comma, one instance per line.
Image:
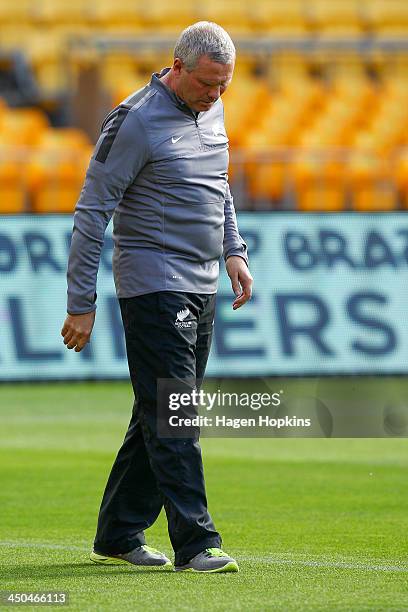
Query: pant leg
x=131, y=501
x=161, y=344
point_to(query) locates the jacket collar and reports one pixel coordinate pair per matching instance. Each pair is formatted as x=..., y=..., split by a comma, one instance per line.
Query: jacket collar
x=160, y=86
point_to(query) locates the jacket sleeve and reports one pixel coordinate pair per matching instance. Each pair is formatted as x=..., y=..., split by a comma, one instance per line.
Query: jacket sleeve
x=119, y=155
x=233, y=243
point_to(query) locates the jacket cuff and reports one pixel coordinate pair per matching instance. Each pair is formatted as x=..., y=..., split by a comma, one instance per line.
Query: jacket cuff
x=79, y=304
x=238, y=252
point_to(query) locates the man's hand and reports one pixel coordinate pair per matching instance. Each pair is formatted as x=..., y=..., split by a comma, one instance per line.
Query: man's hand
x=77, y=330
x=241, y=280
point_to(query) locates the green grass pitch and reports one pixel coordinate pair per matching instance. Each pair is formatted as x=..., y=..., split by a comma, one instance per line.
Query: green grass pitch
x=315, y=524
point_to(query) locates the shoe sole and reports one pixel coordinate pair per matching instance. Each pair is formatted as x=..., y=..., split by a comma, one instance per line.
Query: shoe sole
x=228, y=567
x=104, y=560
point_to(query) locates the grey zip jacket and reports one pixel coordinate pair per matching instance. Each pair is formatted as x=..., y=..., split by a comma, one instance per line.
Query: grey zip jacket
x=161, y=169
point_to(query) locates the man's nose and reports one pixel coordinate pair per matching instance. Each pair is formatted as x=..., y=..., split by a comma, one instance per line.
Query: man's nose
x=214, y=94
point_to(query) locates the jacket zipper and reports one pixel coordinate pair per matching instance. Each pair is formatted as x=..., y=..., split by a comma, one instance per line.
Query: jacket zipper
x=199, y=133
x=197, y=128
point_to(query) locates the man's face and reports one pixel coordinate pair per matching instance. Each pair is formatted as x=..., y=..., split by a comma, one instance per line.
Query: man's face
x=203, y=85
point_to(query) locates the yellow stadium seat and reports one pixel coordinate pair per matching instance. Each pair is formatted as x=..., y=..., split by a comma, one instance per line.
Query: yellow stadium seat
x=287, y=114
x=288, y=71
x=271, y=132
x=266, y=178
x=335, y=125
x=357, y=95
x=392, y=117
x=283, y=19
x=233, y=15
x=13, y=186
x=108, y=12
x=60, y=11
x=16, y=36
x=395, y=86
x=22, y=126
x=244, y=66
x=15, y=12
x=48, y=55
x=347, y=72
x=386, y=128
x=60, y=139
x=121, y=67
x=166, y=16
x=374, y=197
x=371, y=184
x=239, y=100
x=387, y=18
x=339, y=18
x=319, y=184
x=56, y=180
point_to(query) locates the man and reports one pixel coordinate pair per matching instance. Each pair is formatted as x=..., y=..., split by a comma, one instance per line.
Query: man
x=161, y=164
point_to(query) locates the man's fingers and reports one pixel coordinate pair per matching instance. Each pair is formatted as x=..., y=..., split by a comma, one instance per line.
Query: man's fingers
x=78, y=343
x=68, y=336
x=245, y=295
x=236, y=287
x=240, y=301
x=73, y=335
x=248, y=290
x=76, y=339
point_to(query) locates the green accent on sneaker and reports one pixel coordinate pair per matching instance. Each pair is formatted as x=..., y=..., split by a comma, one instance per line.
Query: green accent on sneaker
x=216, y=552
x=105, y=560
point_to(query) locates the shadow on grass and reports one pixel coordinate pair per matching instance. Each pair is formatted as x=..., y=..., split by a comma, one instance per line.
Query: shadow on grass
x=71, y=570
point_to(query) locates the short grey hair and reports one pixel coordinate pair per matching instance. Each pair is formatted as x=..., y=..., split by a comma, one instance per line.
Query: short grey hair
x=204, y=38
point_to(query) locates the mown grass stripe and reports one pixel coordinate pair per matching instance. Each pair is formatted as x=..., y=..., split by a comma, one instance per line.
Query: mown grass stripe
x=273, y=560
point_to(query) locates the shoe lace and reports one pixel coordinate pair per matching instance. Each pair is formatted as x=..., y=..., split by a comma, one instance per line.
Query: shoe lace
x=215, y=552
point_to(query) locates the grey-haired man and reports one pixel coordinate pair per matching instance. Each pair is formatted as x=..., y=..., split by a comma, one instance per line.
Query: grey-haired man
x=160, y=166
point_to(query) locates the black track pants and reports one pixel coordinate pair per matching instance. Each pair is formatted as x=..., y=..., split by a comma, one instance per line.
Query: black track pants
x=163, y=341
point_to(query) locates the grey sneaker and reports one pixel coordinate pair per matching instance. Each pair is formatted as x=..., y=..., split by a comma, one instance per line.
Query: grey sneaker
x=142, y=555
x=210, y=560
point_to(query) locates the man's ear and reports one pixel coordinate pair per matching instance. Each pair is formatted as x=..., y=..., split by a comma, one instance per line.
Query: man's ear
x=177, y=65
